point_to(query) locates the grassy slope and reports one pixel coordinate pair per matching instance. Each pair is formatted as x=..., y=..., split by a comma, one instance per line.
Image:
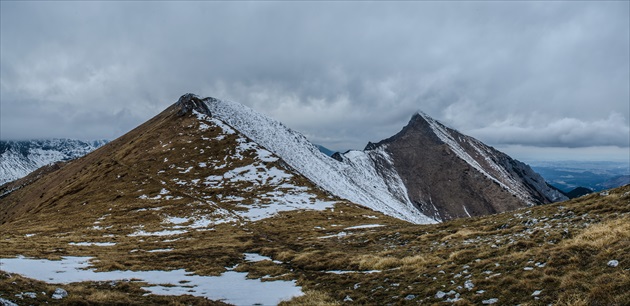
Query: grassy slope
x=566, y=245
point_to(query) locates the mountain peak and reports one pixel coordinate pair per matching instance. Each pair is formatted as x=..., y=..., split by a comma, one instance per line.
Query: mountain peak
x=190, y=102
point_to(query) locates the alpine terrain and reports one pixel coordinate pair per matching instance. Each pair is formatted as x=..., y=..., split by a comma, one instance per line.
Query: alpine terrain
x=427, y=167
x=19, y=158
x=449, y=175
x=211, y=203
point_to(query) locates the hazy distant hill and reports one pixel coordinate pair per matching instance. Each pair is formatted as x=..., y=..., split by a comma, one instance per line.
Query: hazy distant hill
x=594, y=175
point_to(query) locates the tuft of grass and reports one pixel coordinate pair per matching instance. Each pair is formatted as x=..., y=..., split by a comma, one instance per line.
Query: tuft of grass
x=373, y=262
x=311, y=298
x=603, y=235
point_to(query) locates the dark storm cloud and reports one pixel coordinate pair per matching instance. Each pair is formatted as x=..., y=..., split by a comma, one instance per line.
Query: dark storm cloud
x=529, y=73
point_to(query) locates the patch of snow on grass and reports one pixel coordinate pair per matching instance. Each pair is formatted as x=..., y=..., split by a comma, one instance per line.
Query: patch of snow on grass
x=160, y=233
x=289, y=202
x=348, y=272
x=176, y=220
x=230, y=287
x=339, y=235
x=364, y=226
x=93, y=243
x=254, y=257
x=160, y=250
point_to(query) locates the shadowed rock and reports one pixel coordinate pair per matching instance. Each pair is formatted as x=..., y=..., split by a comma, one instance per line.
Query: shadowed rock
x=190, y=102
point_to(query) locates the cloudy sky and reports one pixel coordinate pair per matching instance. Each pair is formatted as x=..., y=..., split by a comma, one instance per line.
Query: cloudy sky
x=538, y=80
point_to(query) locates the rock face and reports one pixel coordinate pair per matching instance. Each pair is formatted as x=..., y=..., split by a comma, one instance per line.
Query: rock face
x=189, y=103
x=450, y=175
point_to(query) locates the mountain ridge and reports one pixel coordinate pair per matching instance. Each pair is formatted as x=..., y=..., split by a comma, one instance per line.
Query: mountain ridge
x=424, y=151
x=425, y=173
x=189, y=197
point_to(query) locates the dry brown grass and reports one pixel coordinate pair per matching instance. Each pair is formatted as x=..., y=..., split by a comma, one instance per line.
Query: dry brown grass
x=565, y=250
x=312, y=298
x=603, y=235
x=372, y=262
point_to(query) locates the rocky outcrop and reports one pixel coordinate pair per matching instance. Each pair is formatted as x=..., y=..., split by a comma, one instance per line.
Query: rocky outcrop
x=189, y=102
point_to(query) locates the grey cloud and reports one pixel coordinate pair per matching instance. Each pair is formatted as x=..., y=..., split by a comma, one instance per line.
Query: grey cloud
x=341, y=73
x=566, y=132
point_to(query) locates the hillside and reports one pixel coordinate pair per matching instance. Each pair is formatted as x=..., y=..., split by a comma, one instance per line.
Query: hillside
x=570, y=253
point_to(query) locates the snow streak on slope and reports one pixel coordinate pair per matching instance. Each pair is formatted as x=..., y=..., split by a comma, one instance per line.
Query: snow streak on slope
x=508, y=173
x=19, y=158
x=353, y=179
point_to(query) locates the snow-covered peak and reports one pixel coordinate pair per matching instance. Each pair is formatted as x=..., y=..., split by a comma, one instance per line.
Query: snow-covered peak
x=19, y=158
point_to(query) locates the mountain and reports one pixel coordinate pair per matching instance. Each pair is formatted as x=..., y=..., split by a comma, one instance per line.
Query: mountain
x=358, y=181
x=614, y=182
x=448, y=175
x=188, y=209
x=19, y=158
x=594, y=175
x=578, y=192
x=427, y=167
x=183, y=154
x=425, y=173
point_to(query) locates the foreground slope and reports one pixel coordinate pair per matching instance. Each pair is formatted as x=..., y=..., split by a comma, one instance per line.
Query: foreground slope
x=19, y=158
x=569, y=253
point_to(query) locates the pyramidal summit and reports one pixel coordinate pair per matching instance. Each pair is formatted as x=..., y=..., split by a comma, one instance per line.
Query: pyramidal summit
x=212, y=203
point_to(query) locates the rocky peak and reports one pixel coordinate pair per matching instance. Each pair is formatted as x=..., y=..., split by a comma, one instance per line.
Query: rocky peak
x=189, y=102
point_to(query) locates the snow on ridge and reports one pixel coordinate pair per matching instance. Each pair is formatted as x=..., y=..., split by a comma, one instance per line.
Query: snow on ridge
x=445, y=136
x=351, y=180
x=498, y=173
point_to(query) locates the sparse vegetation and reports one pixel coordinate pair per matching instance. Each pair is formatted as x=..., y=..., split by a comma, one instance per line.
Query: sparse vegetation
x=553, y=254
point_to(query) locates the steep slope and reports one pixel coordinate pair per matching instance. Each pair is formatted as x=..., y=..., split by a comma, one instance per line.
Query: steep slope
x=360, y=181
x=450, y=175
x=426, y=168
x=183, y=155
x=19, y=158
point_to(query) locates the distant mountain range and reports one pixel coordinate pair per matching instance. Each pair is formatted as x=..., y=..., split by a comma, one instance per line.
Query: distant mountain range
x=594, y=175
x=19, y=158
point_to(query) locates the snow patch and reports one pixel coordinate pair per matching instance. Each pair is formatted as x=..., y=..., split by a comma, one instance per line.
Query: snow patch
x=230, y=287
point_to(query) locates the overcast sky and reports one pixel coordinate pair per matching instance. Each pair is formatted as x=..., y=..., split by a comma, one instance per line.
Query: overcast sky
x=538, y=80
